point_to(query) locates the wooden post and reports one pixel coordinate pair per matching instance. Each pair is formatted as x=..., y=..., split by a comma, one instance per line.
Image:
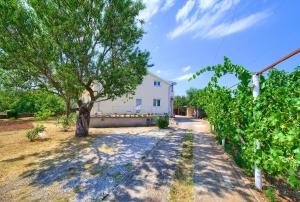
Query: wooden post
x=257, y=171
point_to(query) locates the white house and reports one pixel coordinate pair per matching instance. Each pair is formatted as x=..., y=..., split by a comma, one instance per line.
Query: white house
x=154, y=95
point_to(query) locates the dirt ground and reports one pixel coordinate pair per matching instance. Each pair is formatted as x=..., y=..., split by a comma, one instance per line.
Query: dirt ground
x=14, y=125
x=19, y=157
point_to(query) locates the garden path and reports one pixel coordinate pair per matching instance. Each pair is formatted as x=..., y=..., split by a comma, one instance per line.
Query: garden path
x=216, y=177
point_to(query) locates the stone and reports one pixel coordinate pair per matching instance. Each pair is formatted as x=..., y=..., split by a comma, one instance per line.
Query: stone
x=43, y=135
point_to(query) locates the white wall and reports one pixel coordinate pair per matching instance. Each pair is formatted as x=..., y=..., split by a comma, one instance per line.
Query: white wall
x=147, y=92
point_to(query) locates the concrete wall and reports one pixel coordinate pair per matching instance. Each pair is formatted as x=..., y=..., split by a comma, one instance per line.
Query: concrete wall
x=146, y=92
x=107, y=122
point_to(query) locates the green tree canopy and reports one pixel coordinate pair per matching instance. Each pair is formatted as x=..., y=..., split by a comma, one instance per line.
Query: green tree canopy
x=180, y=101
x=67, y=46
x=192, y=97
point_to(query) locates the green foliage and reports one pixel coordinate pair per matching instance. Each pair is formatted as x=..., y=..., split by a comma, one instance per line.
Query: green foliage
x=236, y=154
x=162, y=122
x=34, y=102
x=180, y=101
x=65, y=47
x=44, y=114
x=192, y=97
x=5, y=100
x=270, y=193
x=12, y=114
x=67, y=121
x=273, y=118
x=32, y=134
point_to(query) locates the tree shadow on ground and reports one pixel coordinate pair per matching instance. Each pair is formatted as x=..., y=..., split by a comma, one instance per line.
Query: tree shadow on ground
x=151, y=180
x=90, y=167
x=214, y=176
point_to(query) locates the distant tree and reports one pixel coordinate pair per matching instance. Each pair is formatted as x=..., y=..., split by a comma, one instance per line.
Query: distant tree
x=180, y=102
x=67, y=46
x=192, y=97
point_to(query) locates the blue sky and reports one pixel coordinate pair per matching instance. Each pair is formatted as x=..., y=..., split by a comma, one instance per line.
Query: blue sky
x=184, y=36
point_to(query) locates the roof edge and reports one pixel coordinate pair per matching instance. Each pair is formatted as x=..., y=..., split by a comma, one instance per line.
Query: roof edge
x=168, y=82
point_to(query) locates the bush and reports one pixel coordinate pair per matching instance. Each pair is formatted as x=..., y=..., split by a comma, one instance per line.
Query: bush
x=43, y=114
x=12, y=114
x=162, y=122
x=67, y=121
x=32, y=134
x=6, y=100
x=38, y=103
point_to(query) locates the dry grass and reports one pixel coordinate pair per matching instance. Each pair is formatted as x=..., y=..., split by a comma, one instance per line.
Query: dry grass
x=19, y=156
x=107, y=149
x=182, y=186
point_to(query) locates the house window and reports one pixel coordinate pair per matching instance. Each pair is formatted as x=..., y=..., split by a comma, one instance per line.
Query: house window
x=138, y=104
x=157, y=83
x=156, y=102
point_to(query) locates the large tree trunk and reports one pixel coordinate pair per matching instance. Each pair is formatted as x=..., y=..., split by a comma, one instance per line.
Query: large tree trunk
x=83, y=122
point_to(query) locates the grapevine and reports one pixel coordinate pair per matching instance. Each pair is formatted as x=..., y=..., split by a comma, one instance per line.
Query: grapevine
x=273, y=118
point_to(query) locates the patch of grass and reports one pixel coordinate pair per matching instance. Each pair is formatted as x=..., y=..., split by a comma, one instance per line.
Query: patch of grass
x=99, y=171
x=270, y=193
x=237, y=157
x=116, y=176
x=129, y=166
x=72, y=171
x=77, y=189
x=182, y=185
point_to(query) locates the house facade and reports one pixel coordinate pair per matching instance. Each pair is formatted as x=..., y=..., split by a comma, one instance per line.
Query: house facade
x=153, y=96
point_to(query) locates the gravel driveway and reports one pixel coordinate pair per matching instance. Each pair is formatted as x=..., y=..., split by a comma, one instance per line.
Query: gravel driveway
x=95, y=169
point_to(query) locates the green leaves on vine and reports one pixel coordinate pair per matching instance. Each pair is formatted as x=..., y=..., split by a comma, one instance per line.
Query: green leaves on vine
x=273, y=118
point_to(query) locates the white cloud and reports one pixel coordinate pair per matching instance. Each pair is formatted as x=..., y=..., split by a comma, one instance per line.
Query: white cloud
x=187, y=68
x=205, y=4
x=202, y=22
x=184, y=77
x=158, y=71
x=211, y=19
x=168, y=4
x=151, y=8
x=239, y=25
x=185, y=10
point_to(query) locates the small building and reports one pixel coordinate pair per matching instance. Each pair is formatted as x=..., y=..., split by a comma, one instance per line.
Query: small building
x=154, y=96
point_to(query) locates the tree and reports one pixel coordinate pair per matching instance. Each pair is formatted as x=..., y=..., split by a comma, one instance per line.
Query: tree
x=180, y=102
x=192, y=97
x=66, y=47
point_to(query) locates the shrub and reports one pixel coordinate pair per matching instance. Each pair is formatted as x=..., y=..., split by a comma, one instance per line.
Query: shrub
x=12, y=114
x=43, y=114
x=32, y=134
x=6, y=100
x=38, y=103
x=162, y=122
x=66, y=121
x=270, y=193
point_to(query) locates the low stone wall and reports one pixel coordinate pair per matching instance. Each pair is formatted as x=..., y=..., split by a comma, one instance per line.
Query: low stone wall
x=107, y=122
